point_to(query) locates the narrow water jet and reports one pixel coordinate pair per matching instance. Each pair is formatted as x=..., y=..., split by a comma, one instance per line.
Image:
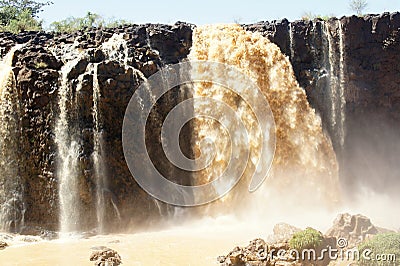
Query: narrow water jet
x=342, y=105
x=68, y=150
x=291, y=41
x=333, y=82
x=99, y=169
x=335, y=64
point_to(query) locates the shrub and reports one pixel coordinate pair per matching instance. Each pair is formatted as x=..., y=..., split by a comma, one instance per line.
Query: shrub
x=382, y=244
x=312, y=16
x=307, y=239
x=89, y=21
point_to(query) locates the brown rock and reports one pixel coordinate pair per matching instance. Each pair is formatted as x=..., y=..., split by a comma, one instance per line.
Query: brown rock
x=105, y=257
x=3, y=245
x=353, y=228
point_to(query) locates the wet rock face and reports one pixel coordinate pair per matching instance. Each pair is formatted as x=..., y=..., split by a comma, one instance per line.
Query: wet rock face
x=37, y=86
x=37, y=72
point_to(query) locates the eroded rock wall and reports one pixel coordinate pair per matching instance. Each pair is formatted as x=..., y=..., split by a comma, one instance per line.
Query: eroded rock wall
x=38, y=80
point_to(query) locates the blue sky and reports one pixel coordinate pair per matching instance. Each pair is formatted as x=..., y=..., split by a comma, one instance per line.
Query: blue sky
x=207, y=11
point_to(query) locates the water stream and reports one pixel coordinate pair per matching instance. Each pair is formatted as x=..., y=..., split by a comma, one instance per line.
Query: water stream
x=335, y=64
x=68, y=149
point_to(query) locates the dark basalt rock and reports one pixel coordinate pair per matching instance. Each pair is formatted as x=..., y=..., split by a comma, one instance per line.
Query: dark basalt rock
x=38, y=79
x=78, y=69
x=3, y=245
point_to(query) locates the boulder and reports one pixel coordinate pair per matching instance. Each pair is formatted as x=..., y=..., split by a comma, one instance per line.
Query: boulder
x=104, y=256
x=353, y=228
x=3, y=245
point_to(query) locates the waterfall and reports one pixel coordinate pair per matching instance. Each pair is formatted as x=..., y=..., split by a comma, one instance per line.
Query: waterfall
x=171, y=210
x=304, y=164
x=12, y=206
x=99, y=170
x=116, y=49
x=68, y=136
x=342, y=104
x=291, y=41
x=68, y=150
x=335, y=64
x=333, y=83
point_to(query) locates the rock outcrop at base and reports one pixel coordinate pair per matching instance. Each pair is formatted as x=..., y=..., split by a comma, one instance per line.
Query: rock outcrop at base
x=105, y=257
x=354, y=229
x=258, y=253
x=3, y=245
x=347, y=232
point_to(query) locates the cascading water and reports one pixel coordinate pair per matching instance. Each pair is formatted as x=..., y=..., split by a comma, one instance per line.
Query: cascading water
x=304, y=161
x=68, y=149
x=332, y=76
x=303, y=154
x=12, y=207
x=341, y=84
x=116, y=49
x=100, y=173
x=68, y=136
x=291, y=41
x=335, y=65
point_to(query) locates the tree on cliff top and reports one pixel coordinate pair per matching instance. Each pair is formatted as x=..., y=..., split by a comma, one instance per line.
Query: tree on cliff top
x=358, y=6
x=20, y=15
